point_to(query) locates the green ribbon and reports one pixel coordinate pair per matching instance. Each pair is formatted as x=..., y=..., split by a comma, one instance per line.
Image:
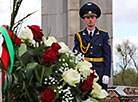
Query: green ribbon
x=9, y=44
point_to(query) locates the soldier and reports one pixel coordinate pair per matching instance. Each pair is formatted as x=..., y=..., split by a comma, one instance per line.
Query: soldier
x=94, y=43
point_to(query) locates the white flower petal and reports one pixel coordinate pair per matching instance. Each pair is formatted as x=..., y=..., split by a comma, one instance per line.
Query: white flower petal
x=64, y=47
x=103, y=94
x=49, y=41
x=71, y=77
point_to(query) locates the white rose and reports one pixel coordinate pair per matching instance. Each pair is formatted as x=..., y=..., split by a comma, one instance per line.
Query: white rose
x=71, y=77
x=103, y=94
x=96, y=91
x=49, y=41
x=64, y=47
x=84, y=67
x=27, y=34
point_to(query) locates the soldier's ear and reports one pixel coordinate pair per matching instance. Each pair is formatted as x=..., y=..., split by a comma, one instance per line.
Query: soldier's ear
x=84, y=20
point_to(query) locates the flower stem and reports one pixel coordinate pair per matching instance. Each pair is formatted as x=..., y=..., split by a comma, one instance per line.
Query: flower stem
x=42, y=74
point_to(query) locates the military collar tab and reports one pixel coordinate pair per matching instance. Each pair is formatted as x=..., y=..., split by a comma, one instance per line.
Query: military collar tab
x=97, y=33
x=84, y=33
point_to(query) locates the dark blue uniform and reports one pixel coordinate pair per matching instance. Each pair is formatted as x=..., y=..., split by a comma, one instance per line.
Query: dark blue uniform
x=96, y=50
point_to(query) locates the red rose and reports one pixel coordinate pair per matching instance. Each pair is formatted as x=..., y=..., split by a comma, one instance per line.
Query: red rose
x=55, y=47
x=48, y=58
x=48, y=95
x=50, y=55
x=92, y=76
x=37, y=32
x=86, y=86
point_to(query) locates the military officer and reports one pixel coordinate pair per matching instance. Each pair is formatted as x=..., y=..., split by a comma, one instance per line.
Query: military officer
x=94, y=43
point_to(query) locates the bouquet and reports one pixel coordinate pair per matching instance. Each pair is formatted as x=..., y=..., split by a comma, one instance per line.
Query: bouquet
x=48, y=71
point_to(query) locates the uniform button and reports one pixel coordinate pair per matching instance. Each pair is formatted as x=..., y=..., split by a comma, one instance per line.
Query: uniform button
x=99, y=44
x=91, y=47
x=91, y=53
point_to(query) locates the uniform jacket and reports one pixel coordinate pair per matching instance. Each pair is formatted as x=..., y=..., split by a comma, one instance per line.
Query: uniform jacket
x=99, y=48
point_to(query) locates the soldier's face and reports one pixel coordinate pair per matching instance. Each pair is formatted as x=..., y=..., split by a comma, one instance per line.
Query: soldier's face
x=90, y=21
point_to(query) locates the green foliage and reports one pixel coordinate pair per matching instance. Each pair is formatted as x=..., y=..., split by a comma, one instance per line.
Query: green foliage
x=130, y=77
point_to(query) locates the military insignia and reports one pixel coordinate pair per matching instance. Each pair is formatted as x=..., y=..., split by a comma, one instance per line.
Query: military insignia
x=84, y=33
x=97, y=33
x=90, y=12
x=109, y=42
x=89, y=4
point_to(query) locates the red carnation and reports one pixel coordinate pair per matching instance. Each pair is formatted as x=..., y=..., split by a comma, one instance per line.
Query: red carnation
x=37, y=32
x=48, y=95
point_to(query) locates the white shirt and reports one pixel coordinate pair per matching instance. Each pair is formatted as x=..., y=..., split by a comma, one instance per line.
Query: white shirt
x=91, y=31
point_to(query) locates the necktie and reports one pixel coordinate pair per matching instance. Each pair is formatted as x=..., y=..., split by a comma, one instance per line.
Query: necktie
x=91, y=34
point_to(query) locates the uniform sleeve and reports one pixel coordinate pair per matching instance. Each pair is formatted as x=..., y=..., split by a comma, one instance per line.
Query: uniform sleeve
x=76, y=43
x=107, y=55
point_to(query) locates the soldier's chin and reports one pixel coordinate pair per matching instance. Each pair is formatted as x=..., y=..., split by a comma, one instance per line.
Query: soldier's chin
x=90, y=26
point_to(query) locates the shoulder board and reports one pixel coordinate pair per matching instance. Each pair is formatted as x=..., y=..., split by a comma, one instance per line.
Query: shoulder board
x=80, y=31
x=102, y=30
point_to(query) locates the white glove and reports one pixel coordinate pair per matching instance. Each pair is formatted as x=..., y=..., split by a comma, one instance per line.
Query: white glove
x=105, y=79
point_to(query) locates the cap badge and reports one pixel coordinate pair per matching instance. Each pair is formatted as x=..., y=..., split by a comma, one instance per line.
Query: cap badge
x=90, y=12
x=89, y=4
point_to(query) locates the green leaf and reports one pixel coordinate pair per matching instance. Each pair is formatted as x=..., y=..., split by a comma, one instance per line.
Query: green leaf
x=48, y=71
x=32, y=65
x=37, y=50
x=42, y=74
x=9, y=77
x=26, y=58
x=93, y=100
x=78, y=99
x=100, y=100
x=37, y=75
x=22, y=49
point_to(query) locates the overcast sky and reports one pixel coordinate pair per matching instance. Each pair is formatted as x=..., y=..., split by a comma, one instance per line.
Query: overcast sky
x=125, y=17
x=27, y=6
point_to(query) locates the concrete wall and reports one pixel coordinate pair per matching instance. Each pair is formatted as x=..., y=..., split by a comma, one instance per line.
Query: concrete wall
x=55, y=19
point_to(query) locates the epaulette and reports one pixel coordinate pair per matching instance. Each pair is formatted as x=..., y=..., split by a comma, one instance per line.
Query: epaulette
x=102, y=30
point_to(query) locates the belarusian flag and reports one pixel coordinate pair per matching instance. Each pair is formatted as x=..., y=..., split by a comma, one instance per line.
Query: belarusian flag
x=7, y=52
